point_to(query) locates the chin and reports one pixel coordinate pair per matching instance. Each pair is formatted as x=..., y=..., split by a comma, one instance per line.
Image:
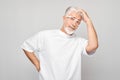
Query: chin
x=69, y=30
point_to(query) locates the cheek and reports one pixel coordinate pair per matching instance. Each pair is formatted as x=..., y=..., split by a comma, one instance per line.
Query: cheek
x=68, y=23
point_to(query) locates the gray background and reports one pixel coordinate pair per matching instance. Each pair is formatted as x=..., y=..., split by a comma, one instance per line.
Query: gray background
x=20, y=19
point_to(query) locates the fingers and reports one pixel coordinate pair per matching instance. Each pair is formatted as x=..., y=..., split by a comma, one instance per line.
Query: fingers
x=83, y=11
x=38, y=69
x=84, y=14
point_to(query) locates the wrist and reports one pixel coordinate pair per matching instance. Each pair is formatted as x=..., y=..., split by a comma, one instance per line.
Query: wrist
x=89, y=22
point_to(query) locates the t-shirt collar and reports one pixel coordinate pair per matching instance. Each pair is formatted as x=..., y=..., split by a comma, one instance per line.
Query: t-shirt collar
x=66, y=35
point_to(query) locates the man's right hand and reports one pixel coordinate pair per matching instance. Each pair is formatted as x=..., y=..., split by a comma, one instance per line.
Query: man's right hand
x=38, y=67
x=31, y=56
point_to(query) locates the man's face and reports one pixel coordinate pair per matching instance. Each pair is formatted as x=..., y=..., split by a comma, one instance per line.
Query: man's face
x=72, y=20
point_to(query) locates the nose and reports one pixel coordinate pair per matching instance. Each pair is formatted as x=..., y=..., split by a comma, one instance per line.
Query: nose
x=75, y=23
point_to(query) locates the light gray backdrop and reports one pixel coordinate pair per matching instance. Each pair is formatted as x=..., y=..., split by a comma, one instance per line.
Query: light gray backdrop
x=20, y=19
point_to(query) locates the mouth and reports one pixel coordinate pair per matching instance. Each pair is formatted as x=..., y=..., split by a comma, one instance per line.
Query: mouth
x=69, y=30
x=72, y=27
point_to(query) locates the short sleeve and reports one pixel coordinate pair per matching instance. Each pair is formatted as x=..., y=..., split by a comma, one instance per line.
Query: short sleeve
x=32, y=43
x=85, y=43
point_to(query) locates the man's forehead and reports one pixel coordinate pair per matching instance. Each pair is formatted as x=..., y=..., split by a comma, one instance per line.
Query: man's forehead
x=75, y=14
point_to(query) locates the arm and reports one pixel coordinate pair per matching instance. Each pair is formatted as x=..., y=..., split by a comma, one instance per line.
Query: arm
x=31, y=56
x=92, y=36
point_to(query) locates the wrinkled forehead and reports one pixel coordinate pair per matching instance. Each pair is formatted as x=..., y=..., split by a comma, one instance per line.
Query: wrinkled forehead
x=75, y=14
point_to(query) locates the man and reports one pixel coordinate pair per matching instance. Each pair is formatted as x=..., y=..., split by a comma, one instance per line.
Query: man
x=60, y=50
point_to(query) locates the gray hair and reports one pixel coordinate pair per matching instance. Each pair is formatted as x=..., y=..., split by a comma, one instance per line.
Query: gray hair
x=71, y=9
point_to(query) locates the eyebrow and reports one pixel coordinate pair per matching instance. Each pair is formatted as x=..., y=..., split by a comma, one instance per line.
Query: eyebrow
x=76, y=18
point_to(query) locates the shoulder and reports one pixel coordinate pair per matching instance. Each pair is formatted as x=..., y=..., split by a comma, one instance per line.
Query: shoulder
x=47, y=31
x=81, y=39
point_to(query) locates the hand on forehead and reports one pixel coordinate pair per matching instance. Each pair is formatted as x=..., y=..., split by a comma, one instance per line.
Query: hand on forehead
x=76, y=14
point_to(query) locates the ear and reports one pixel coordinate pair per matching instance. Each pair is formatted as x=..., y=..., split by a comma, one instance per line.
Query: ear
x=64, y=18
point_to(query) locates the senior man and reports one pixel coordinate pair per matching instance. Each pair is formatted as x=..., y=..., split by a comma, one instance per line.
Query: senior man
x=60, y=50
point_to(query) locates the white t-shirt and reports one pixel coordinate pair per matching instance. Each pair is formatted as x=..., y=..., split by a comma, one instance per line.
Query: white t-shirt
x=59, y=54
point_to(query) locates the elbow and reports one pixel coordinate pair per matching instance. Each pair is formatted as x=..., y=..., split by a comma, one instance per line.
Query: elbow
x=95, y=46
x=91, y=48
